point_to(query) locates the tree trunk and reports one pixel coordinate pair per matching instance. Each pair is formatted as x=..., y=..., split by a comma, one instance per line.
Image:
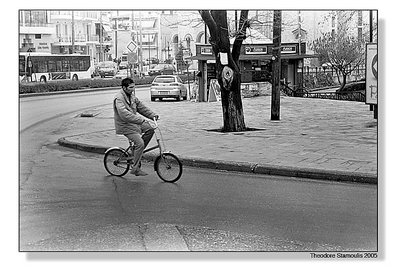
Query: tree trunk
x=232, y=109
x=227, y=69
x=342, y=85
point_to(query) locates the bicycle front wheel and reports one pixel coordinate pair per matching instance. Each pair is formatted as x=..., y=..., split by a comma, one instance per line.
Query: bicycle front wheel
x=115, y=162
x=168, y=167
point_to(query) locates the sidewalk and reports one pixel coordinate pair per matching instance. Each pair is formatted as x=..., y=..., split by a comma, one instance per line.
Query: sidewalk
x=315, y=138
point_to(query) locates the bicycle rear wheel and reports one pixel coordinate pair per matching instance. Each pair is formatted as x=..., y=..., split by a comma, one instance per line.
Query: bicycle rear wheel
x=168, y=167
x=115, y=162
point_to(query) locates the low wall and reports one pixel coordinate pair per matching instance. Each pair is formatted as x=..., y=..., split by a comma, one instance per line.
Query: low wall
x=256, y=89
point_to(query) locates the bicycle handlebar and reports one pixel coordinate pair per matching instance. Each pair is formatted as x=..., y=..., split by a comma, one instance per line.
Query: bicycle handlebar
x=155, y=122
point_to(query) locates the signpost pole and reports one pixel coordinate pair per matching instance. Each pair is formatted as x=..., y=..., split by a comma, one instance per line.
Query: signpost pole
x=371, y=77
x=373, y=107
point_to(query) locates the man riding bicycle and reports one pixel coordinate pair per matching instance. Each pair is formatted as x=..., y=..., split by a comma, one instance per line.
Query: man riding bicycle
x=128, y=122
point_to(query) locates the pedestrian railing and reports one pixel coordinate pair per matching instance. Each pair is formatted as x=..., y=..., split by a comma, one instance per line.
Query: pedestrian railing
x=350, y=96
x=299, y=91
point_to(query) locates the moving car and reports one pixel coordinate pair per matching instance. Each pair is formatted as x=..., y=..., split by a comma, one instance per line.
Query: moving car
x=107, y=68
x=168, y=86
x=162, y=69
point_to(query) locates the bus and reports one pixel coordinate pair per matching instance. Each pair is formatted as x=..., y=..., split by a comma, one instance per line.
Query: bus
x=43, y=67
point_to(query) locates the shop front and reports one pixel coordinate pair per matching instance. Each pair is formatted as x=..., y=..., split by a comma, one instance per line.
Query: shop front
x=255, y=64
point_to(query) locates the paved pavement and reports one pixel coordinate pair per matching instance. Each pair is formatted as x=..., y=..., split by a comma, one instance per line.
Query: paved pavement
x=315, y=138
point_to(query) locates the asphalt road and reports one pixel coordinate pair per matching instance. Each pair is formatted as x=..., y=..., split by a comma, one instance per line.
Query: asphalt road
x=67, y=192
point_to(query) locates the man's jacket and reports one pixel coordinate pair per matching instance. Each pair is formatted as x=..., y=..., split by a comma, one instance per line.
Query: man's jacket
x=126, y=115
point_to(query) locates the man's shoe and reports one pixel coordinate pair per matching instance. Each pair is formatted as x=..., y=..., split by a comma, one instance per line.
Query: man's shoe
x=138, y=172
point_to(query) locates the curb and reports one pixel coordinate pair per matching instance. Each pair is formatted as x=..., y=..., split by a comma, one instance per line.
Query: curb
x=246, y=167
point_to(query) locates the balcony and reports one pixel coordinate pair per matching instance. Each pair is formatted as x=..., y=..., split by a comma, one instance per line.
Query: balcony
x=80, y=40
x=37, y=28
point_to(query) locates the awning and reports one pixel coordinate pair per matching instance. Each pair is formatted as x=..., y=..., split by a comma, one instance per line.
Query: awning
x=148, y=24
x=107, y=28
x=255, y=57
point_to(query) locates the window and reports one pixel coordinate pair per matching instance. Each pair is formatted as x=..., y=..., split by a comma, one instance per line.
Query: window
x=75, y=65
x=42, y=66
x=188, y=38
x=88, y=31
x=58, y=31
x=22, y=64
x=52, y=66
x=38, y=36
x=164, y=80
x=81, y=65
x=65, y=65
x=58, y=66
x=35, y=17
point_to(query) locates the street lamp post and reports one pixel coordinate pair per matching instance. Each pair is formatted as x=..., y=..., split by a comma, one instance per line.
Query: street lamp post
x=116, y=36
x=140, y=43
x=73, y=32
x=101, y=38
x=148, y=39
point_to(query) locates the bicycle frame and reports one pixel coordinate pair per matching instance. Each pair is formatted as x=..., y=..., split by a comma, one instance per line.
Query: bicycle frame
x=151, y=148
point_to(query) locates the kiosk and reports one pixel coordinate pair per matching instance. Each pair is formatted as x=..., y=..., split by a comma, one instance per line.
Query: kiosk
x=255, y=64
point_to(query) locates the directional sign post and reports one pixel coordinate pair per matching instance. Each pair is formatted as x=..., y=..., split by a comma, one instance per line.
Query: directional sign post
x=371, y=74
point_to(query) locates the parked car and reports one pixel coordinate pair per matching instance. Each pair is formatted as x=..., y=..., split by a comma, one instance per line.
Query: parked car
x=162, y=69
x=121, y=74
x=168, y=86
x=107, y=68
x=123, y=65
x=191, y=69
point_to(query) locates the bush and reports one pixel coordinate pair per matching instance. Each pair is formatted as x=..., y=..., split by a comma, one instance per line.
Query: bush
x=54, y=86
x=354, y=86
x=318, y=80
x=63, y=85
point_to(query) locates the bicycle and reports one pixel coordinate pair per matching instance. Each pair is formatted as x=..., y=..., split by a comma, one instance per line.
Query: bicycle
x=118, y=161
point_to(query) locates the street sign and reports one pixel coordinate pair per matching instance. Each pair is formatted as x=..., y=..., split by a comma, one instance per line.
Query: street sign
x=132, y=58
x=132, y=46
x=371, y=74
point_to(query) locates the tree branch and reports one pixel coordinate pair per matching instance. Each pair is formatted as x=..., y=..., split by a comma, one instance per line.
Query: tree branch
x=237, y=44
x=212, y=26
x=220, y=18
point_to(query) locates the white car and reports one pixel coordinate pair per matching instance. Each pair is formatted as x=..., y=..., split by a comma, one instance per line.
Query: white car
x=107, y=68
x=168, y=86
x=122, y=74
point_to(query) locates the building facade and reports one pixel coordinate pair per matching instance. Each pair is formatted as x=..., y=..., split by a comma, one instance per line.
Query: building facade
x=36, y=32
x=66, y=32
x=159, y=35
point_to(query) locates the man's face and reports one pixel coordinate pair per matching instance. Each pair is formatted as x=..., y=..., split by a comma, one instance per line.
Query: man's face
x=130, y=89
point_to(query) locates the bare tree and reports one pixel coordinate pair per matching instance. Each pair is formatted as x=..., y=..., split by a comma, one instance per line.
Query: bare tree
x=227, y=65
x=344, y=53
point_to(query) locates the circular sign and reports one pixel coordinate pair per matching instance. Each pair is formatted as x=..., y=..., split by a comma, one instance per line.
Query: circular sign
x=374, y=66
